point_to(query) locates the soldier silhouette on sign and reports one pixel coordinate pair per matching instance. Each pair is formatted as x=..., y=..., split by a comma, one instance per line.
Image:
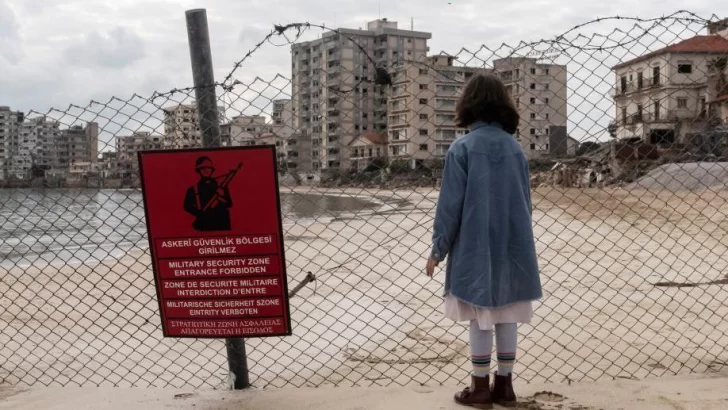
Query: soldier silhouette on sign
x=208, y=200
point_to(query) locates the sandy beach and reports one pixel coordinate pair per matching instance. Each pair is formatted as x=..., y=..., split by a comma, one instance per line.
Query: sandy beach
x=633, y=281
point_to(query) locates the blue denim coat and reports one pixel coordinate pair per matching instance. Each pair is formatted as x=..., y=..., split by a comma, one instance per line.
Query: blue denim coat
x=483, y=221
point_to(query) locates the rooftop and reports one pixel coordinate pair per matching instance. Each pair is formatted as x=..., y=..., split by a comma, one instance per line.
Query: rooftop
x=375, y=138
x=710, y=44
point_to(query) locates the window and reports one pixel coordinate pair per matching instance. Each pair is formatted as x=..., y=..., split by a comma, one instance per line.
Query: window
x=533, y=86
x=656, y=75
x=546, y=86
x=684, y=68
x=533, y=131
x=656, y=110
x=533, y=147
x=546, y=100
x=423, y=131
x=682, y=102
x=533, y=71
x=640, y=80
x=624, y=116
x=639, y=113
x=423, y=71
x=546, y=71
x=533, y=100
x=533, y=115
x=547, y=116
x=423, y=101
x=623, y=84
x=423, y=147
x=423, y=86
x=423, y=116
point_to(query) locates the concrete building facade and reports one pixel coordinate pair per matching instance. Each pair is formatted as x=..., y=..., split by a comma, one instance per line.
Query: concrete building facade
x=127, y=148
x=421, y=109
x=181, y=126
x=9, y=126
x=664, y=97
x=539, y=91
x=335, y=98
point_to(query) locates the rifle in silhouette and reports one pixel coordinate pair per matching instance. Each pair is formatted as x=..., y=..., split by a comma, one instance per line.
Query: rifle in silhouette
x=226, y=179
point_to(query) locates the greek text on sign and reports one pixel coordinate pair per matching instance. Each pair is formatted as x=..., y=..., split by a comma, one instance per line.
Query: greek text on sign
x=214, y=225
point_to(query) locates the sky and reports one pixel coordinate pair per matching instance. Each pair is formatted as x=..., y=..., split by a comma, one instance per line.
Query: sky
x=58, y=53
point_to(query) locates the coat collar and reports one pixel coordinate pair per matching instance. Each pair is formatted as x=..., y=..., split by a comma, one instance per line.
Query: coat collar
x=481, y=124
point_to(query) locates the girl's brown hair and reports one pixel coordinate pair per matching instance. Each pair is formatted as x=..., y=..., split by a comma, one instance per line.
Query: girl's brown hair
x=484, y=98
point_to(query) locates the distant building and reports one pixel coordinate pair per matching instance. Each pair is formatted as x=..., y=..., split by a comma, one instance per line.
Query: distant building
x=9, y=126
x=368, y=147
x=664, y=97
x=127, y=148
x=37, y=139
x=283, y=122
x=108, y=164
x=335, y=98
x=421, y=111
x=181, y=126
x=539, y=92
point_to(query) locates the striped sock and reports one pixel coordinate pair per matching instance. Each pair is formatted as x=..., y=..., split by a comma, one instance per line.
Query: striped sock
x=481, y=347
x=506, y=335
x=481, y=365
x=505, y=363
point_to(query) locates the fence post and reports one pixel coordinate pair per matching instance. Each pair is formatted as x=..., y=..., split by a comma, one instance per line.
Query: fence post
x=198, y=36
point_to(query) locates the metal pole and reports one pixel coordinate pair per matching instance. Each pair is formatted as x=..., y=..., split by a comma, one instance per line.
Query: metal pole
x=198, y=36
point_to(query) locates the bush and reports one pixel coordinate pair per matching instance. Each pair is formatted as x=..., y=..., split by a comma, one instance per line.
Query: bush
x=400, y=167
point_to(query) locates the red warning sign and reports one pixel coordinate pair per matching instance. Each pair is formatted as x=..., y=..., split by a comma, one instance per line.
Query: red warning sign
x=215, y=233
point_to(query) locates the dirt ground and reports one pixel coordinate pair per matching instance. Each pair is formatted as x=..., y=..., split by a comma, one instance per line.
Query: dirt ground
x=373, y=318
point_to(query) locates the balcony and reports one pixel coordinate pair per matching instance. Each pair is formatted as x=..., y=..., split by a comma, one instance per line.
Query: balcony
x=647, y=84
x=446, y=91
x=510, y=76
x=665, y=117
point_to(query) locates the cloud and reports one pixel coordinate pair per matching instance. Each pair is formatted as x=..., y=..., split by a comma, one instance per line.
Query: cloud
x=10, y=44
x=73, y=51
x=116, y=49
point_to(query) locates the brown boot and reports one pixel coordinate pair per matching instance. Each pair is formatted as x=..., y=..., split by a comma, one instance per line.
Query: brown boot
x=477, y=395
x=502, y=391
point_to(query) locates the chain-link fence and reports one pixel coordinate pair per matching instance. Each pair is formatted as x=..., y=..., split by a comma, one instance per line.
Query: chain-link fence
x=625, y=124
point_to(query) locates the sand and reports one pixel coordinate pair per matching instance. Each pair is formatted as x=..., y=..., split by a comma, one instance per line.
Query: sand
x=693, y=176
x=703, y=392
x=374, y=319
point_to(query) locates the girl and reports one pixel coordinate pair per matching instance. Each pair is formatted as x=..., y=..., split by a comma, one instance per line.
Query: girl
x=483, y=222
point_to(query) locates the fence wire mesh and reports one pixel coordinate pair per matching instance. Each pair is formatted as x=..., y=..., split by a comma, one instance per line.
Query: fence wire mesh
x=625, y=124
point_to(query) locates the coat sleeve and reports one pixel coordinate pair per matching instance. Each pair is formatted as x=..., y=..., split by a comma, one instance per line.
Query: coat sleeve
x=449, y=205
x=527, y=185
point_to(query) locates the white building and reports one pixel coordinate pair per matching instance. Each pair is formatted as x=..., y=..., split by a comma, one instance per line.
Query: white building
x=663, y=97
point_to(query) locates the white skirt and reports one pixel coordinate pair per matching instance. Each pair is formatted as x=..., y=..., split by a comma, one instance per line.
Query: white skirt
x=459, y=311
